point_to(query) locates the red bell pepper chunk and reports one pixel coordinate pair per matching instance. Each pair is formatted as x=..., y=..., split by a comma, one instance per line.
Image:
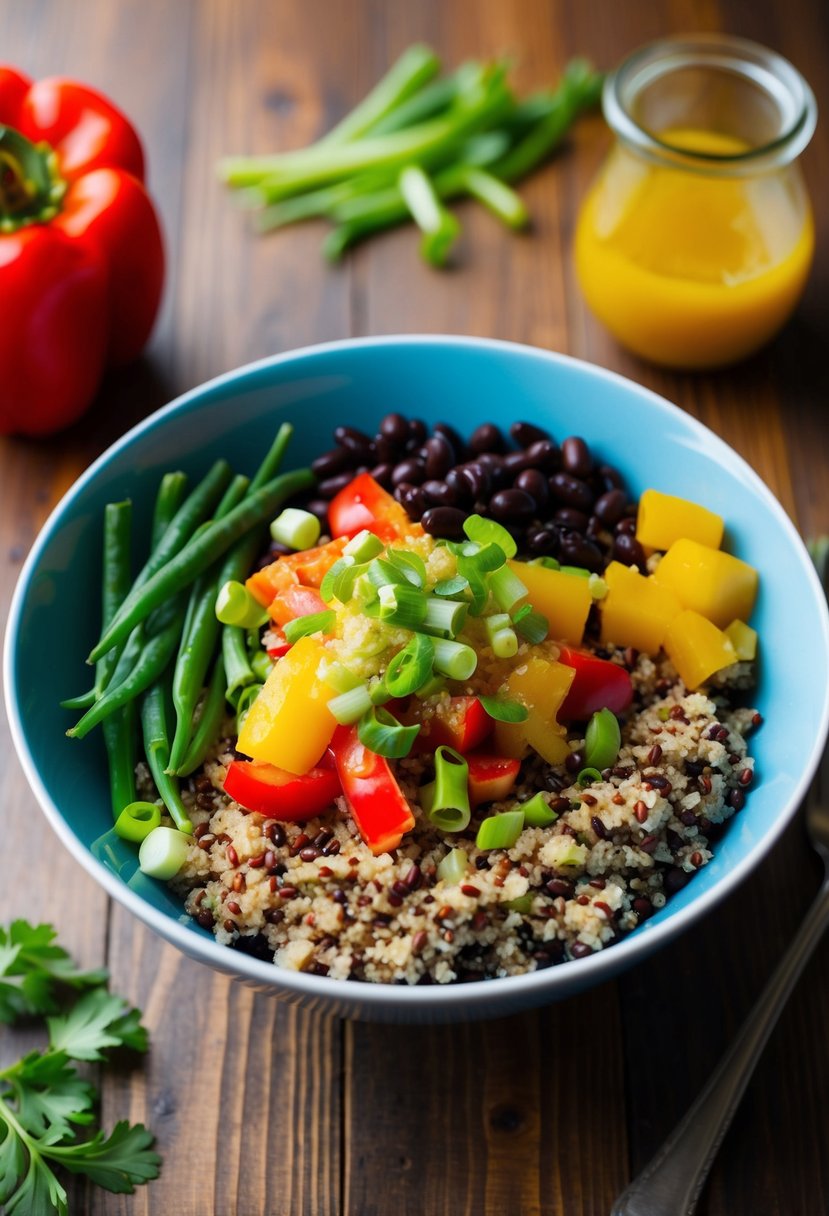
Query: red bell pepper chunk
x=294, y=602
x=279, y=644
x=491, y=778
x=462, y=723
x=278, y=794
x=598, y=684
x=363, y=503
x=378, y=807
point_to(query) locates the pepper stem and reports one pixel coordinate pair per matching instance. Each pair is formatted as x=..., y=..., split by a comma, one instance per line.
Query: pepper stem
x=30, y=186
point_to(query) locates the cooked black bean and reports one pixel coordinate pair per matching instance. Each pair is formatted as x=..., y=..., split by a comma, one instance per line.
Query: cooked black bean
x=460, y=486
x=417, y=430
x=387, y=450
x=486, y=438
x=575, y=456
x=610, y=506
x=512, y=506
x=572, y=491
x=395, y=427
x=449, y=432
x=525, y=433
x=382, y=473
x=543, y=542
x=439, y=494
x=570, y=518
x=576, y=550
x=439, y=457
x=333, y=462
x=444, y=521
x=596, y=531
x=477, y=478
x=412, y=498
x=534, y=483
x=410, y=471
x=544, y=455
x=355, y=441
x=610, y=478
x=332, y=485
x=516, y=462
x=626, y=524
x=626, y=549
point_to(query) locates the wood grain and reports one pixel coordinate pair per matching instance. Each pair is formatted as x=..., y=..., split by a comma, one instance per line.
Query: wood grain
x=260, y=1108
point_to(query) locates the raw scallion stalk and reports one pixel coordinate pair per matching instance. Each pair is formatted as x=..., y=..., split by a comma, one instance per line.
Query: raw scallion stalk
x=440, y=227
x=444, y=618
x=533, y=627
x=488, y=532
x=500, y=831
x=453, y=867
x=448, y=796
x=363, y=547
x=501, y=635
x=402, y=606
x=384, y=735
x=496, y=196
x=303, y=626
x=537, y=812
x=163, y=852
x=137, y=820
x=410, y=668
x=236, y=606
x=296, y=528
x=602, y=740
x=507, y=588
x=350, y=706
x=416, y=67
x=454, y=659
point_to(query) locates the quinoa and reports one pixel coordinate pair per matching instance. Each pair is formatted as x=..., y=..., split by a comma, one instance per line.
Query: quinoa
x=313, y=897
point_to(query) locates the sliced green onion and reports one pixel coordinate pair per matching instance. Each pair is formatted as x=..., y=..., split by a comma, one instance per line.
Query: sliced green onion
x=521, y=612
x=537, y=812
x=476, y=584
x=338, y=581
x=295, y=528
x=384, y=735
x=137, y=820
x=382, y=573
x=488, y=532
x=602, y=740
x=236, y=606
x=432, y=686
x=579, y=571
x=410, y=564
x=246, y=698
x=261, y=665
x=378, y=693
x=453, y=867
x=522, y=904
x=483, y=558
x=501, y=709
x=363, y=547
x=350, y=706
x=315, y=622
x=339, y=678
x=448, y=798
x=411, y=667
x=402, y=605
x=588, y=775
x=501, y=635
x=500, y=831
x=598, y=586
x=533, y=627
x=507, y=588
x=444, y=618
x=163, y=852
x=451, y=586
x=454, y=659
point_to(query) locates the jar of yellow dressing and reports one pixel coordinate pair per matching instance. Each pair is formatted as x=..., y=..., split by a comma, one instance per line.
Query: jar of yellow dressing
x=694, y=244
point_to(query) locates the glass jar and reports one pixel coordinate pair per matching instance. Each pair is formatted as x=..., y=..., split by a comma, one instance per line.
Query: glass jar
x=694, y=244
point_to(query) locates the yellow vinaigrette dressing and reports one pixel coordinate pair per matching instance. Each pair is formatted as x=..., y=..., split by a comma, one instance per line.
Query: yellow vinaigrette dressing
x=693, y=246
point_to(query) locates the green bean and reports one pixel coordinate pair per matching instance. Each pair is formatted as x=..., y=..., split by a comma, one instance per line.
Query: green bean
x=119, y=731
x=238, y=671
x=199, y=553
x=199, y=637
x=154, y=657
x=171, y=493
x=209, y=723
x=415, y=67
x=116, y=576
x=154, y=717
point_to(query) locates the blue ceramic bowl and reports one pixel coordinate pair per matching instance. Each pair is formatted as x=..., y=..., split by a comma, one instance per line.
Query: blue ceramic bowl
x=464, y=381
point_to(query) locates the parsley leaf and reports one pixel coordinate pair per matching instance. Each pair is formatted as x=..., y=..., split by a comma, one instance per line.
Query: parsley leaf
x=44, y=1103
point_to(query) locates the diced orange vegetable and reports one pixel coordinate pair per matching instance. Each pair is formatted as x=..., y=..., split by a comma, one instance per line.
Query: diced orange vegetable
x=564, y=599
x=715, y=584
x=308, y=567
x=697, y=648
x=636, y=611
x=743, y=639
x=293, y=602
x=664, y=518
x=541, y=685
x=289, y=724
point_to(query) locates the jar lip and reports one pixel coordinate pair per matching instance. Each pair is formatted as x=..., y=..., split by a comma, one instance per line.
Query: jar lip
x=769, y=71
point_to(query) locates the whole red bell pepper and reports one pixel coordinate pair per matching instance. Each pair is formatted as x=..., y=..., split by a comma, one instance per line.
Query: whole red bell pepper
x=81, y=254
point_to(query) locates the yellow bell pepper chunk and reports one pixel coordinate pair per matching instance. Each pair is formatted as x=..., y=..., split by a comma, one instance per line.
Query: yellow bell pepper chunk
x=541, y=685
x=713, y=583
x=289, y=724
x=697, y=648
x=564, y=599
x=664, y=518
x=636, y=611
x=743, y=639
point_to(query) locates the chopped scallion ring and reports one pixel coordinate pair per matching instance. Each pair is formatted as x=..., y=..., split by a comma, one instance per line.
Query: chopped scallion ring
x=137, y=820
x=602, y=740
x=411, y=667
x=295, y=528
x=163, y=852
x=350, y=706
x=537, y=812
x=507, y=589
x=363, y=547
x=315, y=622
x=382, y=572
x=488, y=532
x=501, y=709
x=384, y=735
x=453, y=867
x=533, y=627
x=402, y=605
x=236, y=606
x=345, y=568
x=454, y=659
x=588, y=775
x=410, y=564
x=501, y=635
x=500, y=831
x=448, y=587
x=338, y=677
x=444, y=618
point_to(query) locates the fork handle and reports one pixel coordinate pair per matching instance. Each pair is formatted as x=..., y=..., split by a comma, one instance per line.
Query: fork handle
x=673, y=1179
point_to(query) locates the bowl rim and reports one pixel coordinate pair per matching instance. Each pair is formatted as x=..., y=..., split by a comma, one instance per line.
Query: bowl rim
x=515, y=990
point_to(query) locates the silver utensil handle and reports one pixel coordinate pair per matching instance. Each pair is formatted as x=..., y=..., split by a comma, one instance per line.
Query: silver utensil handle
x=672, y=1180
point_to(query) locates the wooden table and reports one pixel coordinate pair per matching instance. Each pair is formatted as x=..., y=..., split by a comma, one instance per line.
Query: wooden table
x=259, y=1108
